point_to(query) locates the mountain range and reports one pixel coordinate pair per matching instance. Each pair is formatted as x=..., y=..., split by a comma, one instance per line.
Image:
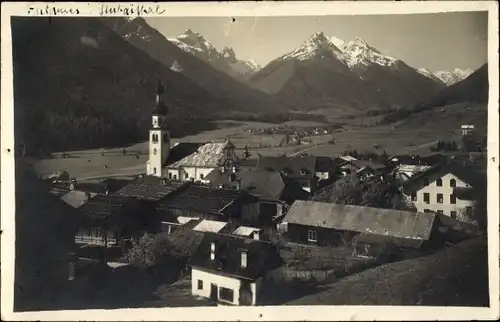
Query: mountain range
x=224, y=60
x=464, y=102
x=103, y=73
x=353, y=72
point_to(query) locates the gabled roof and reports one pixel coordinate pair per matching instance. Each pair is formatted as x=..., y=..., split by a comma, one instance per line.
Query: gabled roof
x=468, y=175
x=296, y=167
x=105, y=205
x=207, y=155
x=367, y=220
x=76, y=198
x=262, y=256
x=428, y=160
x=149, y=188
x=202, y=199
x=325, y=164
x=374, y=165
x=182, y=150
x=265, y=184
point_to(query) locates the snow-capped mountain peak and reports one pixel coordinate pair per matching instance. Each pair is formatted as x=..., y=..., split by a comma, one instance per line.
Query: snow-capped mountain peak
x=453, y=76
x=224, y=60
x=252, y=64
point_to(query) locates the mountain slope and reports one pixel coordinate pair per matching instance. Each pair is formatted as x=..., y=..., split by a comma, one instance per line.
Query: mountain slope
x=345, y=71
x=464, y=102
x=138, y=33
x=79, y=85
x=225, y=60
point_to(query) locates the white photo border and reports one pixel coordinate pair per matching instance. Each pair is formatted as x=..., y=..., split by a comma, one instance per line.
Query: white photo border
x=235, y=9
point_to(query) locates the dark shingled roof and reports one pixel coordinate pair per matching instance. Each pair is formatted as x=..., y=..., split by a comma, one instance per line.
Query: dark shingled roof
x=181, y=150
x=430, y=160
x=325, y=164
x=201, y=199
x=105, y=205
x=149, y=188
x=295, y=167
x=374, y=165
x=262, y=256
x=412, y=226
x=468, y=175
x=265, y=184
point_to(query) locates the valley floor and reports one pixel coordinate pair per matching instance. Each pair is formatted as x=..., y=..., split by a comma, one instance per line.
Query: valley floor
x=91, y=164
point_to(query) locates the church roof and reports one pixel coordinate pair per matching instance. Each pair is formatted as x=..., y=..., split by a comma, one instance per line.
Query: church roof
x=207, y=156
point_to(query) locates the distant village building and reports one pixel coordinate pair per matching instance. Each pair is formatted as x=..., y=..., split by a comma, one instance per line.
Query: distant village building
x=363, y=168
x=446, y=189
x=231, y=270
x=467, y=129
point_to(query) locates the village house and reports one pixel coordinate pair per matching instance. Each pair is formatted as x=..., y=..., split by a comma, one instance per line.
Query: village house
x=149, y=188
x=328, y=224
x=300, y=168
x=363, y=168
x=274, y=190
x=446, y=188
x=107, y=224
x=213, y=207
x=230, y=270
x=406, y=166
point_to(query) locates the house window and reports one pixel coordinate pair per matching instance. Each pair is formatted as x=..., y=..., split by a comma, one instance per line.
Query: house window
x=453, y=183
x=468, y=211
x=154, y=170
x=427, y=211
x=413, y=196
x=154, y=151
x=440, y=212
x=453, y=214
x=453, y=199
x=440, y=198
x=155, y=138
x=175, y=177
x=426, y=198
x=200, y=284
x=312, y=236
x=243, y=259
x=170, y=176
x=202, y=176
x=439, y=182
x=186, y=176
x=226, y=294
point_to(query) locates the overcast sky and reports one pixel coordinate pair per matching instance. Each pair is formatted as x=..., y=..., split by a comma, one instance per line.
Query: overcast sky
x=441, y=41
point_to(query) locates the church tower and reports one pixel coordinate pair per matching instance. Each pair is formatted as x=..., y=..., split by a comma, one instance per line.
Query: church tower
x=159, y=137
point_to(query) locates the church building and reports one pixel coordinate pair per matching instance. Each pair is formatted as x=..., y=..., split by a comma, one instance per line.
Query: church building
x=184, y=161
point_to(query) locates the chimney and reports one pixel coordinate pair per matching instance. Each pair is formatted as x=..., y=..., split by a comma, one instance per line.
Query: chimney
x=212, y=251
x=244, y=255
x=72, y=265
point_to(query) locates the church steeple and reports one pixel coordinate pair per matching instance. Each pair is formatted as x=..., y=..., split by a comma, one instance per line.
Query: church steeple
x=159, y=136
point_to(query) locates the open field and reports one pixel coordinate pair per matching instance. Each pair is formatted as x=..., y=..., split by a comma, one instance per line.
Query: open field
x=456, y=276
x=90, y=164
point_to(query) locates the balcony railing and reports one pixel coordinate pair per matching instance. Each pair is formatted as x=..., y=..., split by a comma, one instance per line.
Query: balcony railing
x=94, y=240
